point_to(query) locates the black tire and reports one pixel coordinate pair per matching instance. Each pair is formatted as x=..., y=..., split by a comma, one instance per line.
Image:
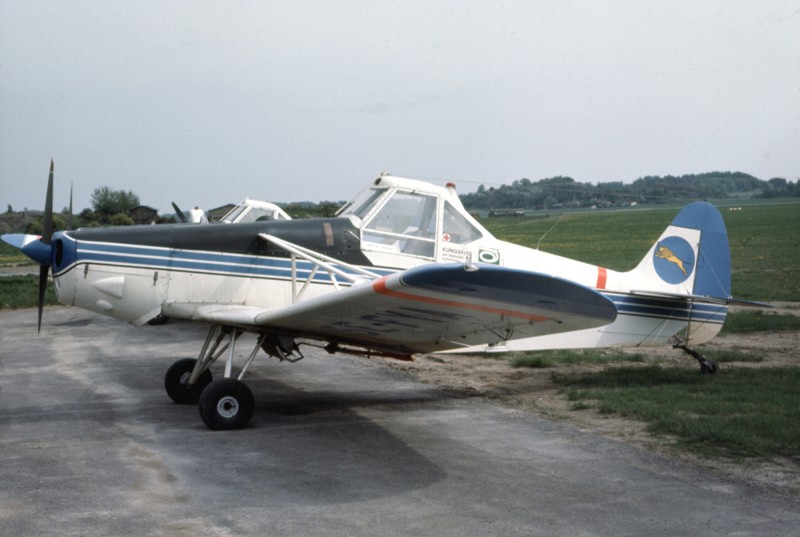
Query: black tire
x=226, y=404
x=158, y=320
x=176, y=378
x=709, y=367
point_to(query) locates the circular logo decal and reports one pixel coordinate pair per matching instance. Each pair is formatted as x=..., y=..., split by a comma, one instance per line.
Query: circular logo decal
x=673, y=259
x=489, y=256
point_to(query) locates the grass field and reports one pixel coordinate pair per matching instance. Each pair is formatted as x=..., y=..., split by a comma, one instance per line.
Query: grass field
x=10, y=256
x=23, y=292
x=741, y=413
x=20, y=291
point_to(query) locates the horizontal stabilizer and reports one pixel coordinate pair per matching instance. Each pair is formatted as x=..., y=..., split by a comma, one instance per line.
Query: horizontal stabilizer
x=705, y=299
x=749, y=303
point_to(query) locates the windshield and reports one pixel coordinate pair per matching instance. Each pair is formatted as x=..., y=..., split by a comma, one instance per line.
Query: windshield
x=258, y=215
x=405, y=224
x=362, y=203
x=233, y=214
x=244, y=213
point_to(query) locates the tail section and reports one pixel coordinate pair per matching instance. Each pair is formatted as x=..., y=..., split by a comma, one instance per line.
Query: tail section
x=691, y=258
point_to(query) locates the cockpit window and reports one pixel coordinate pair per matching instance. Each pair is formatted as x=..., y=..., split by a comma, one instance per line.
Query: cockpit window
x=407, y=213
x=243, y=215
x=405, y=224
x=233, y=214
x=258, y=215
x=456, y=228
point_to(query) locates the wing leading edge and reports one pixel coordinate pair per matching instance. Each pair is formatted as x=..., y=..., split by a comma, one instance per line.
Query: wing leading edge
x=435, y=308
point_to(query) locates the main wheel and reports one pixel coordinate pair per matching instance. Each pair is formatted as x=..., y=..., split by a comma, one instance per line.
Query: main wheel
x=226, y=404
x=177, y=377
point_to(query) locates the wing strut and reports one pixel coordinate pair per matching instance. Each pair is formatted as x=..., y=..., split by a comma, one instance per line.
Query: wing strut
x=350, y=273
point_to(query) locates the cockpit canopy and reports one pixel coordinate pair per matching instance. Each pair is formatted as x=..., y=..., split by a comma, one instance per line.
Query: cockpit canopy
x=411, y=217
x=254, y=211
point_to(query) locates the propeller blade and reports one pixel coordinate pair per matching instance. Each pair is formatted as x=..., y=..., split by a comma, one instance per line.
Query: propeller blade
x=47, y=225
x=69, y=217
x=43, y=273
x=47, y=236
x=179, y=213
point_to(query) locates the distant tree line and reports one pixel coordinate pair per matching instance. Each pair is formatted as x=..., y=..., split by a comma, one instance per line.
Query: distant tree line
x=310, y=209
x=556, y=192
x=109, y=208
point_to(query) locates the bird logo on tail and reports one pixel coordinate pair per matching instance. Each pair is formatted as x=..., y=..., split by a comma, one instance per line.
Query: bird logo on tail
x=674, y=259
x=665, y=253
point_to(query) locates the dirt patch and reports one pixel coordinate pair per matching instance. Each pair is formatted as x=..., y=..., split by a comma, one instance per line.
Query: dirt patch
x=19, y=270
x=533, y=390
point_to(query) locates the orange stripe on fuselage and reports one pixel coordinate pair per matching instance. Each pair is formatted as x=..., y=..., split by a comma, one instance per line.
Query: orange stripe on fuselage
x=380, y=287
x=602, y=276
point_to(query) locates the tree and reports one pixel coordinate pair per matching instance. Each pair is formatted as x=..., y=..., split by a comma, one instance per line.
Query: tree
x=35, y=227
x=108, y=202
x=121, y=219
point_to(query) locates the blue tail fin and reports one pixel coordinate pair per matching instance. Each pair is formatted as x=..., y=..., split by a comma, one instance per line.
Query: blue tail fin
x=691, y=258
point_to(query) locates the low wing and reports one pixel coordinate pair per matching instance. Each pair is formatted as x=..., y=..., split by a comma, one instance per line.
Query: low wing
x=434, y=308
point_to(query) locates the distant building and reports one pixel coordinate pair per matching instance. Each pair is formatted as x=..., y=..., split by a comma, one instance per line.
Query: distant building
x=143, y=215
x=507, y=212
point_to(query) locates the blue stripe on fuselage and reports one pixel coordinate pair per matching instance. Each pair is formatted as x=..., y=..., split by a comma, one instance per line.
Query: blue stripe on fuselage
x=197, y=261
x=668, y=308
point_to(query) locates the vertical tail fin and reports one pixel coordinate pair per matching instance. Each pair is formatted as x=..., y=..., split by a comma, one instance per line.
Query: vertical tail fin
x=691, y=258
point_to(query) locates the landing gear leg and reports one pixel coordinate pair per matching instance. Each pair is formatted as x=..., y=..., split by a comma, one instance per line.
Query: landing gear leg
x=226, y=403
x=706, y=366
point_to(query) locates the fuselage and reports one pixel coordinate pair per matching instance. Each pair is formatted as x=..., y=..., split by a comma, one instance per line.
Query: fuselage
x=136, y=273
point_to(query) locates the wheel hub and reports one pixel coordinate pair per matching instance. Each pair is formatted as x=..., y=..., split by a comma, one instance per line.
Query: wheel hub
x=228, y=407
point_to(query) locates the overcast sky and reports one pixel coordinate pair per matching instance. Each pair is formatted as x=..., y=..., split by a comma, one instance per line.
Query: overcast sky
x=204, y=103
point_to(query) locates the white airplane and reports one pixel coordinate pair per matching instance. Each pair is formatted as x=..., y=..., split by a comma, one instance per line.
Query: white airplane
x=403, y=268
x=247, y=210
x=250, y=210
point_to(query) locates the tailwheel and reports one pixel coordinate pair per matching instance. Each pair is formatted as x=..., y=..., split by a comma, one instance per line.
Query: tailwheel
x=226, y=404
x=706, y=366
x=176, y=382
